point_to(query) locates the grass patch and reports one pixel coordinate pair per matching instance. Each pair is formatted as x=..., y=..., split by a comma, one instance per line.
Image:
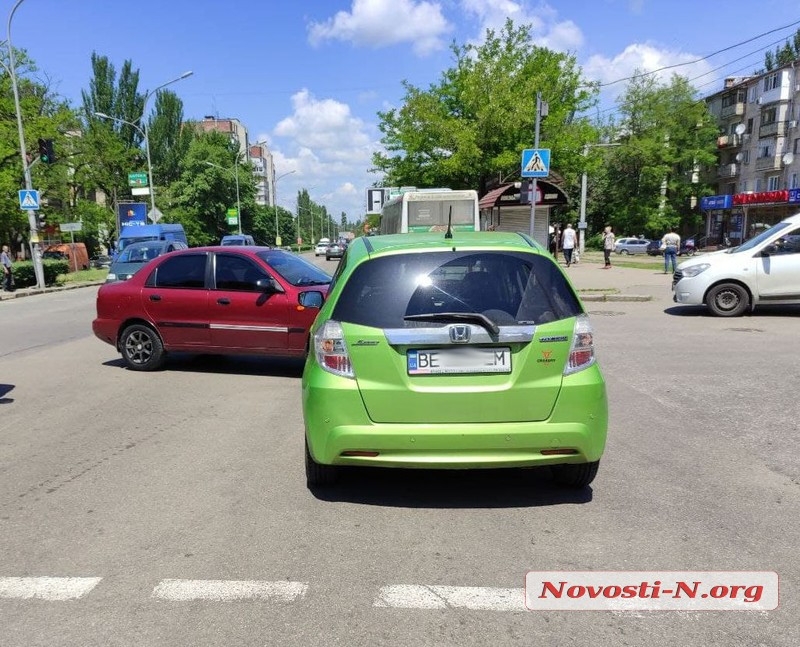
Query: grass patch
x=599, y=290
x=83, y=276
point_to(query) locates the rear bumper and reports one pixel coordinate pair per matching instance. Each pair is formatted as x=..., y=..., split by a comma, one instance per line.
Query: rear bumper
x=106, y=330
x=336, y=422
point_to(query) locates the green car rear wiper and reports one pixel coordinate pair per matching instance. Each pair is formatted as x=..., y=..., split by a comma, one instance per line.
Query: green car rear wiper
x=472, y=317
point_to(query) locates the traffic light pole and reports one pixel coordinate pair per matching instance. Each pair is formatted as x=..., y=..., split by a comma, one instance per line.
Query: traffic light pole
x=36, y=254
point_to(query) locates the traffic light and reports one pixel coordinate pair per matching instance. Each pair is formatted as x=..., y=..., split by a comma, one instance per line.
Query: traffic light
x=46, y=154
x=41, y=220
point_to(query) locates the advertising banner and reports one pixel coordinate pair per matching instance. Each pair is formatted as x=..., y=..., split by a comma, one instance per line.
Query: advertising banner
x=132, y=213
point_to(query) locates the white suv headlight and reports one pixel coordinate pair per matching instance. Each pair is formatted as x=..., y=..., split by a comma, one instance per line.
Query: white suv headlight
x=694, y=270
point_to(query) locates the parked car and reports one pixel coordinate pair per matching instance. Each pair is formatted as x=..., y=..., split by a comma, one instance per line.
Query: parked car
x=687, y=248
x=631, y=246
x=334, y=250
x=218, y=300
x=100, y=262
x=136, y=255
x=322, y=245
x=763, y=270
x=464, y=352
x=237, y=239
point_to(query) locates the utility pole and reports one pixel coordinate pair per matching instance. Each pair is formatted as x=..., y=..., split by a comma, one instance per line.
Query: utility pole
x=582, y=223
x=541, y=111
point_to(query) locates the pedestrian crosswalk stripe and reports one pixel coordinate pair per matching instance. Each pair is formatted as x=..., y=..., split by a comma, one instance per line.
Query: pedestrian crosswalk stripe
x=478, y=598
x=47, y=588
x=225, y=590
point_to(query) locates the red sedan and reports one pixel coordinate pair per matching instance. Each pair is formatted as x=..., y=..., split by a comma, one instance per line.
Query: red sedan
x=219, y=300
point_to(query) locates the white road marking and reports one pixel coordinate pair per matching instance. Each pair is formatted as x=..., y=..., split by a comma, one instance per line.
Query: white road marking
x=47, y=588
x=417, y=596
x=225, y=590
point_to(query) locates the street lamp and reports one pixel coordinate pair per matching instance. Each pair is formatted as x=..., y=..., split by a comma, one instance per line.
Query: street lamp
x=236, y=175
x=275, y=204
x=143, y=133
x=582, y=223
x=38, y=269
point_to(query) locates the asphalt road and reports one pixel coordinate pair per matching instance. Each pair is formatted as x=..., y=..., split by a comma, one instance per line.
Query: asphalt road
x=180, y=497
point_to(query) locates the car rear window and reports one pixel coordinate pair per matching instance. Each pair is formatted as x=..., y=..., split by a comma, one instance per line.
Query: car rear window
x=512, y=288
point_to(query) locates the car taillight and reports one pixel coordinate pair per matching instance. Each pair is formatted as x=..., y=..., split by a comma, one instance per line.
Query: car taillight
x=581, y=353
x=331, y=351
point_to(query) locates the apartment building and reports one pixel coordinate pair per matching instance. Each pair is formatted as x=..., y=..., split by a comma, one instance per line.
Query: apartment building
x=233, y=127
x=758, y=176
x=264, y=172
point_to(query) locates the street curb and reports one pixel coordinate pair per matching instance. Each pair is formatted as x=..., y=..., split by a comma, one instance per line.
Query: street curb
x=29, y=292
x=616, y=297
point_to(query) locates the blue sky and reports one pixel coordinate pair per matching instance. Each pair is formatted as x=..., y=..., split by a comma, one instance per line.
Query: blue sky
x=309, y=77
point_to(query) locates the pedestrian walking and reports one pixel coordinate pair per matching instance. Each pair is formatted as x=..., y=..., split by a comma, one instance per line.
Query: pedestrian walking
x=568, y=240
x=670, y=244
x=608, y=246
x=8, y=276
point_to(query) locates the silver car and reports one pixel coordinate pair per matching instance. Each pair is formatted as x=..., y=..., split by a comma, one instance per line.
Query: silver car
x=631, y=246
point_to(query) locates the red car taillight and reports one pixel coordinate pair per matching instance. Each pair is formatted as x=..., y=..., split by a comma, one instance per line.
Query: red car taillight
x=581, y=353
x=331, y=350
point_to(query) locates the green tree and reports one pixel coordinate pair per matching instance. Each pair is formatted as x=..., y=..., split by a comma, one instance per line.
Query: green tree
x=169, y=137
x=653, y=179
x=470, y=127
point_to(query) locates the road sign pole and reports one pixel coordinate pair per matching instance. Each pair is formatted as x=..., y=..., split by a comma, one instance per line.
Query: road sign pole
x=536, y=146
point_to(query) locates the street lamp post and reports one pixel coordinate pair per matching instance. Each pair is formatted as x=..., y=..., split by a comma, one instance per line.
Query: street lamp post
x=36, y=257
x=236, y=176
x=582, y=223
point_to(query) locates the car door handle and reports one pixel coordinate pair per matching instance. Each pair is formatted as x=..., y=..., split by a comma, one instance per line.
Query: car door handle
x=155, y=297
x=224, y=302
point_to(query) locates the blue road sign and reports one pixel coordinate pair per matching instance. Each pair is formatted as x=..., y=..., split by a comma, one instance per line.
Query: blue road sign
x=29, y=199
x=536, y=162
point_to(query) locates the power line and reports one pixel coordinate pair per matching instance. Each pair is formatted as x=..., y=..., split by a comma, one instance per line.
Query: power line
x=703, y=58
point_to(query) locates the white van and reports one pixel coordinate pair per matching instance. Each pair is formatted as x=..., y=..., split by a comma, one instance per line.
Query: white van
x=764, y=270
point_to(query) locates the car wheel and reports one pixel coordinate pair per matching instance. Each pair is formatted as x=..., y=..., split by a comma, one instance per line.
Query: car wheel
x=141, y=348
x=728, y=300
x=327, y=258
x=576, y=476
x=624, y=252
x=318, y=474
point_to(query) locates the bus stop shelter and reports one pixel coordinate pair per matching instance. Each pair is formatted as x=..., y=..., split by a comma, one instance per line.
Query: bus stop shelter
x=508, y=208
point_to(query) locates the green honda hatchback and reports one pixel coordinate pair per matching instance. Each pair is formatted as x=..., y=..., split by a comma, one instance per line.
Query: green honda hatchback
x=469, y=350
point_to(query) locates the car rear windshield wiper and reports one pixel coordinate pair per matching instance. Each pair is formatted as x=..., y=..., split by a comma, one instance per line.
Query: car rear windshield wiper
x=473, y=317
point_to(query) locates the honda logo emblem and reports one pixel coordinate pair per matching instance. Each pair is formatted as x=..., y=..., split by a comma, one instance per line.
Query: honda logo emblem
x=460, y=334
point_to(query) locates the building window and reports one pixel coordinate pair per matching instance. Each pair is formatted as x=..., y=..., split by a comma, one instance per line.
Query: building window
x=769, y=116
x=745, y=156
x=753, y=91
x=759, y=184
x=772, y=182
x=765, y=150
x=771, y=82
x=796, y=146
x=744, y=186
x=749, y=130
x=793, y=181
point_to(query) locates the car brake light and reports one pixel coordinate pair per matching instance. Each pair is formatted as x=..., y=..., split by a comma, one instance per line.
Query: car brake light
x=581, y=353
x=331, y=350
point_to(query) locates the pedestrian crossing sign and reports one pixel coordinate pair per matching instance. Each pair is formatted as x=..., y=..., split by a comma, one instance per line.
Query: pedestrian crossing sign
x=536, y=162
x=29, y=199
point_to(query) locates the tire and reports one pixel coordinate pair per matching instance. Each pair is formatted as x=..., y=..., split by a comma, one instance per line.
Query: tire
x=575, y=476
x=327, y=258
x=141, y=348
x=318, y=475
x=728, y=300
x=624, y=252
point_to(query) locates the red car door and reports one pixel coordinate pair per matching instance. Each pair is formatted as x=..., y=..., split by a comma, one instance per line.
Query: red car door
x=175, y=298
x=244, y=317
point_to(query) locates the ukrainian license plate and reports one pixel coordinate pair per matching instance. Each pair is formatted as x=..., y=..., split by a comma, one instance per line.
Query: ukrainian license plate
x=438, y=361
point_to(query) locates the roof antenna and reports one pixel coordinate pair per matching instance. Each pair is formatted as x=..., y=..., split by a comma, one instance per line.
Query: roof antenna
x=449, y=232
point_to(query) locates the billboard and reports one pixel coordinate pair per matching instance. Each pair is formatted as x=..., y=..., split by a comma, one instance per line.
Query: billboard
x=132, y=213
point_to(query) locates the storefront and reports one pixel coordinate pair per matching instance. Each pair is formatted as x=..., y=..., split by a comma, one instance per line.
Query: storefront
x=733, y=219
x=508, y=208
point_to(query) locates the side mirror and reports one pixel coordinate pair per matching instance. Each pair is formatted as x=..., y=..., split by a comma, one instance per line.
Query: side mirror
x=311, y=299
x=269, y=286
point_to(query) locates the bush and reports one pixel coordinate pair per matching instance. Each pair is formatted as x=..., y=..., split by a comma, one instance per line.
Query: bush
x=594, y=242
x=25, y=276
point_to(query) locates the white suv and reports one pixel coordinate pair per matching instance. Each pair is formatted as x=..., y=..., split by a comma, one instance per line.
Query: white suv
x=322, y=245
x=764, y=270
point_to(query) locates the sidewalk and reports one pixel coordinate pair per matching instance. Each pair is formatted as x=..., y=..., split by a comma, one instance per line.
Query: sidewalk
x=27, y=292
x=618, y=283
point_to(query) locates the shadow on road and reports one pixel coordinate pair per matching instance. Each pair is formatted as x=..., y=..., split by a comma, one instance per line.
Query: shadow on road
x=227, y=364
x=407, y=488
x=761, y=311
x=4, y=390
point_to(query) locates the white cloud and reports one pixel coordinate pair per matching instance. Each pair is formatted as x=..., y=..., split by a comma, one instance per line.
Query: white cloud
x=330, y=151
x=547, y=30
x=380, y=23
x=643, y=57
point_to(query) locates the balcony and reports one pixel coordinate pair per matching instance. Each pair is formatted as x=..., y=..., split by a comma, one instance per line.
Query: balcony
x=775, y=129
x=729, y=141
x=733, y=110
x=771, y=163
x=727, y=170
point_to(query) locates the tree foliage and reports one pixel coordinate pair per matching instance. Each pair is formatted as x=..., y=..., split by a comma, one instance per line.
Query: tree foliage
x=471, y=126
x=783, y=54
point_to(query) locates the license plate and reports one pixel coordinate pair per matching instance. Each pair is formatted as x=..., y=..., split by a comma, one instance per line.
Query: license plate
x=440, y=361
